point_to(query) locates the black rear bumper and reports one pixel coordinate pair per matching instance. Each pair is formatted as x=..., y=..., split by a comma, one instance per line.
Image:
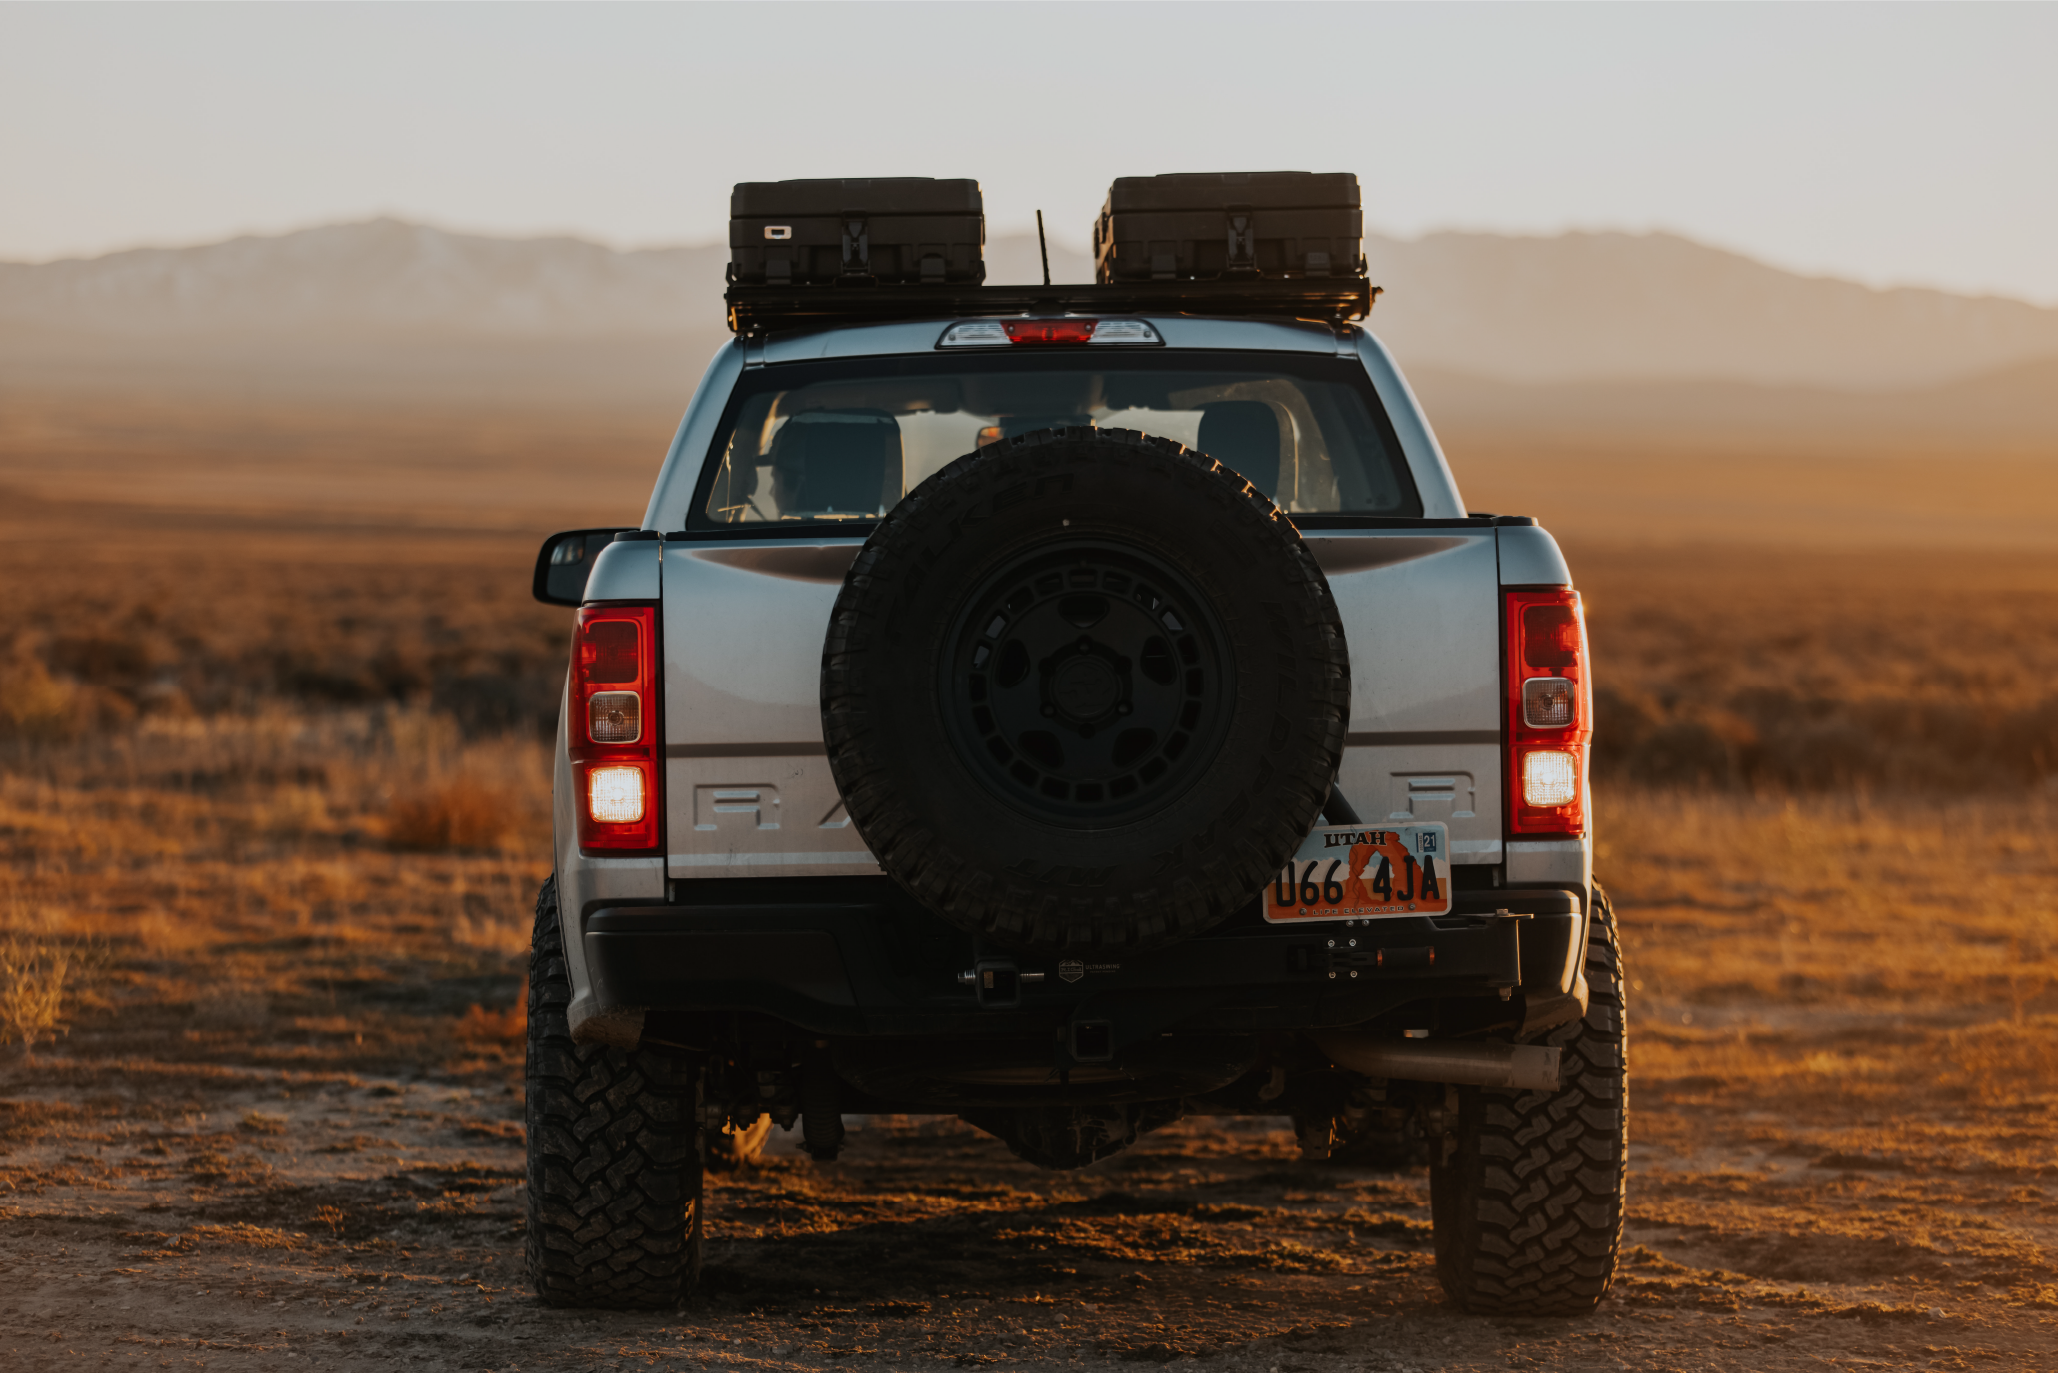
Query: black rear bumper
x=856, y=958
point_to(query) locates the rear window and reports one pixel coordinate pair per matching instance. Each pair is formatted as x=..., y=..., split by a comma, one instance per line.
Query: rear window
x=835, y=443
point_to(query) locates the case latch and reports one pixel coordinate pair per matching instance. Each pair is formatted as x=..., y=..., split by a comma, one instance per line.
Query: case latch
x=1243, y=242
x=857, y=246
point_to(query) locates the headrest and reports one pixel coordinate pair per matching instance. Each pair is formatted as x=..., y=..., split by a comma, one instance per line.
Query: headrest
x=837, y=462
x=1243, y=435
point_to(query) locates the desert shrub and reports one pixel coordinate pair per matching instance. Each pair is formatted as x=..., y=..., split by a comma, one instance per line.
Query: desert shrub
x=2031, y=736
x=521, y=701
x=1623, y=720
x=216, y=626
x=117, y=659
x=479, y=1025
x=1998, y=1062
x=1765, y=738
x=35, y=705
x=34, y=977
x=461, y=813
x=1833, y=752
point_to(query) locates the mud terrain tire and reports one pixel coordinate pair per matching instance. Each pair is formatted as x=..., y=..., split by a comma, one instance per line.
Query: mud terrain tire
x=614, y=1154
x=1528, y=1210
x=1084, y=690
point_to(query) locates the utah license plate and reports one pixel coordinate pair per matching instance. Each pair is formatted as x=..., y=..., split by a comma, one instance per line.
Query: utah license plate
x=1359, y=872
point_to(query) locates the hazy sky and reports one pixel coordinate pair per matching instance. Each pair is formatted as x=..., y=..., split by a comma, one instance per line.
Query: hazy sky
x=1894, y=144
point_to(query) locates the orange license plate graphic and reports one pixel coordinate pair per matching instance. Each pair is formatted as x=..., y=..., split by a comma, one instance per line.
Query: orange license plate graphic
x=1358, y=872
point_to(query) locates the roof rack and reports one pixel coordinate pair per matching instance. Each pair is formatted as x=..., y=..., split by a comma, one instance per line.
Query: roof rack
x=756, y=309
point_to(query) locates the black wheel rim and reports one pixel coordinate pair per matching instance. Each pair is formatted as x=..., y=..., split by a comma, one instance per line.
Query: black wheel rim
x=1086, y=683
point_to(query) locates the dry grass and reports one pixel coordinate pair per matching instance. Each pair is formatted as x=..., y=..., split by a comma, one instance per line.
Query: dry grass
x=1890, y=905
x=36, y=705
x=1871, y=983
x=217, y=621
x=244, y=760
x=239, y=871
x=1787, y=642
x=497, y=1026
x=34, y=976
x=1810, y=671
x=1765, y=495
x=1803, y=617
x=460, y=814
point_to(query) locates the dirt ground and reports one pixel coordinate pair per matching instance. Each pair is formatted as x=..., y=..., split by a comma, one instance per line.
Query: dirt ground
x=235, y=1218
x=276, y=880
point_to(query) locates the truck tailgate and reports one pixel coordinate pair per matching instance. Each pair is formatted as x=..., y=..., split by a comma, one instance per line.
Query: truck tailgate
x=746, y=776
x=748, y=779
x=1421, y=611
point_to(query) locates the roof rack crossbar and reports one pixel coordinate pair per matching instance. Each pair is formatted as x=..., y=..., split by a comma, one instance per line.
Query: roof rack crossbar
x=756, y=309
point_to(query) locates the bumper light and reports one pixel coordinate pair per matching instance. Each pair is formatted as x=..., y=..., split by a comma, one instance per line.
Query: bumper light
x=1550, y=777
x=614, y=796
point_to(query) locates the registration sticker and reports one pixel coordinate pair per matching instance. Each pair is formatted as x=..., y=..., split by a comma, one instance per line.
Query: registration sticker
x=1359, y=872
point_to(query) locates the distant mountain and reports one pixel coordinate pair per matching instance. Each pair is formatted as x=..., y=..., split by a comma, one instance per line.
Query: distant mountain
x=2013, y=408
x=1615, y=307
x=1596, y=309
x=384, y=276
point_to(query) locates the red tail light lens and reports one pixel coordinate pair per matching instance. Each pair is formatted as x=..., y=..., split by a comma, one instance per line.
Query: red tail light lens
x=1049, y=330
x=610, y=651
x=1551, y=634
x=1550, y=712
x=612, y=730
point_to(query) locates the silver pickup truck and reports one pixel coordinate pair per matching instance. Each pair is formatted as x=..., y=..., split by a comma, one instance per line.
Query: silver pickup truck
x=1071, y=710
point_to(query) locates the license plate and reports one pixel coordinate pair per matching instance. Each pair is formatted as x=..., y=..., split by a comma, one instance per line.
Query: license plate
x=1359, y=872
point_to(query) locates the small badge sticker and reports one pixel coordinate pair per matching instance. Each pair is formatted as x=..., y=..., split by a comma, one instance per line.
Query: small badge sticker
x=1071, y=970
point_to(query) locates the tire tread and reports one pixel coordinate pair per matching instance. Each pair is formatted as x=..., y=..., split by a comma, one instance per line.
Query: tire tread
x=1529, y=1211
x=1223, y=867
x=614, y=1169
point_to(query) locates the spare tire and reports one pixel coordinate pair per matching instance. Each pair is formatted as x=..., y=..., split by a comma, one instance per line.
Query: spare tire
x=1084, y=691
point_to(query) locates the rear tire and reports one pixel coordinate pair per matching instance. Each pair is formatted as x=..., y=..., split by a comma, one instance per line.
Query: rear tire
x=1528, y=1209
x=614, y=1154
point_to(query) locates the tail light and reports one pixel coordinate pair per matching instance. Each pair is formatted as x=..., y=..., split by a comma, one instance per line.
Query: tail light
x=1550, y=713
x=1003, y=333
x=613, y=730
x=1050, y=330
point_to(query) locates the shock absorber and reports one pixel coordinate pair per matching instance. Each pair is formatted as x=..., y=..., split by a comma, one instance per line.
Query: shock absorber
x=821, y=1119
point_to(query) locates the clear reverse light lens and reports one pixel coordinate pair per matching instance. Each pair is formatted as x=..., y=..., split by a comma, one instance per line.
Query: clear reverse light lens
x=975, y=333
x=1546, y=702
x=1124, y=331
x=614, y=796
x=1550, y=777
x=615, y=717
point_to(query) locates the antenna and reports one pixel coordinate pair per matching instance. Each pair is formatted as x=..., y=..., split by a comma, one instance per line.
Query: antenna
x=1043, y=247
